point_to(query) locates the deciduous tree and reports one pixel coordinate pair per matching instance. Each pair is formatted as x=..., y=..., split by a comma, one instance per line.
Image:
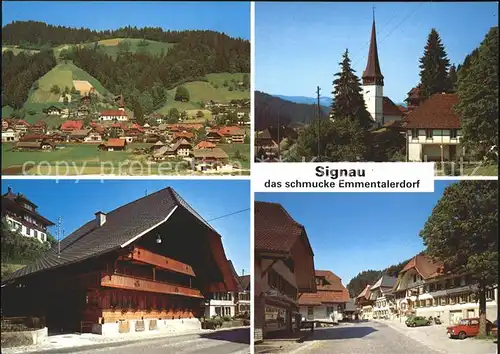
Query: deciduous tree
x=462, y=232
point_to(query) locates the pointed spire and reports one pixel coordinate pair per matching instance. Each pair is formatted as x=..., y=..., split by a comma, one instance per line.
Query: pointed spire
x=372, y=74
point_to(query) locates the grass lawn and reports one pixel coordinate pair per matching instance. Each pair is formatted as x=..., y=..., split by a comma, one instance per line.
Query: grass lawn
x=75, y=156
x=201, y=91
x=473, y=170
x=244, y=150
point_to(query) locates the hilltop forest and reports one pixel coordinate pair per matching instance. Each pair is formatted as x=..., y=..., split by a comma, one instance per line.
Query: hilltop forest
x=369, y=277
x=141, y=77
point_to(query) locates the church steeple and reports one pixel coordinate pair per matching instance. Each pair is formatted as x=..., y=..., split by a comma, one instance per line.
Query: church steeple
x=372, y=74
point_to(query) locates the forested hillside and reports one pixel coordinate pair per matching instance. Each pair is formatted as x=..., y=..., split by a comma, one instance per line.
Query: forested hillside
x=268, y=107
x=142, y=77
x=368, y=277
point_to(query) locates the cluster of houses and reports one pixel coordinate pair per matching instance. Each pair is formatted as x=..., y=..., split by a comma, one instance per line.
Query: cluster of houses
x=288, y=289
x=194, y=142
x=423, y=289
x=126, y=268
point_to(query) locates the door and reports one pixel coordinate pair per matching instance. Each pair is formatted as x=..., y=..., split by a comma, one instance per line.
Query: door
x=452, y=151
x=310, y=313
x=473, y=327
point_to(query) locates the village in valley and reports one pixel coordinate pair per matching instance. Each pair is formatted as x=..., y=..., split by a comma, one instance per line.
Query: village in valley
x=61, y=119
x=432, y=120
x=439, y=297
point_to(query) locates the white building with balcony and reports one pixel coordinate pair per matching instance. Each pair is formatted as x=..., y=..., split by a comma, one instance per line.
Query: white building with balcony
x=221, y=304
x=433, y=130
x=424, y=290
x=21, y=215
x=381, y=294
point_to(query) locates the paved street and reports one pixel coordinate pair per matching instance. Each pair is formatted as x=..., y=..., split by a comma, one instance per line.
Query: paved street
x=380, y=338
x=231, y=341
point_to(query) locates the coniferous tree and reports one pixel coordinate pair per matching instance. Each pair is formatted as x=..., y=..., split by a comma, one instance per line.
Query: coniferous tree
x=348, y=100
x=477, y=89
x=434, y=67
x=452, y=78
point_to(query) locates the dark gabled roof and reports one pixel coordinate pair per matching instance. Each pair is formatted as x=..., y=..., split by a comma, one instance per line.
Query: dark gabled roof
x=384, y=281
x=245, y=281
x=437, y=112
x=122, y=225
x=372, y=73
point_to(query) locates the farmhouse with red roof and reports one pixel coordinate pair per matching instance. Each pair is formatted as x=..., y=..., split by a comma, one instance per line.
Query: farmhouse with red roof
x=328, y=303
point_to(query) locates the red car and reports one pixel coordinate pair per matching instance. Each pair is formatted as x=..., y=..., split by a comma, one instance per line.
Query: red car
x=468, y=327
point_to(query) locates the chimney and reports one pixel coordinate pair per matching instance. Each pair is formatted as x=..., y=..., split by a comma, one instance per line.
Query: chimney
x=100, y=217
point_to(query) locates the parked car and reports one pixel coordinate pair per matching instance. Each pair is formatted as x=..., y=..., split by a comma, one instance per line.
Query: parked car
x=468, y=327
x=416, y=321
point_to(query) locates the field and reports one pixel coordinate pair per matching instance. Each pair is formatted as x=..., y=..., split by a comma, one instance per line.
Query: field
x=110, y=46
x=201, y=91
x=61, y=75
x=16, y=50
x=244, y=150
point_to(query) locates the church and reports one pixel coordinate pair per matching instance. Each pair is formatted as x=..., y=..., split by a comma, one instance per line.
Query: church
x=381, y=108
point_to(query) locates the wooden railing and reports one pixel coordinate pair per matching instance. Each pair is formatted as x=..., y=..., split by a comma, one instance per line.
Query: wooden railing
x=145, y=256
x=132, y=283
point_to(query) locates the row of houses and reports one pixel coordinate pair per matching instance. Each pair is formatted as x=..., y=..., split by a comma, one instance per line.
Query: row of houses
x=288, y=289
x=125, y=270
x=422, y=288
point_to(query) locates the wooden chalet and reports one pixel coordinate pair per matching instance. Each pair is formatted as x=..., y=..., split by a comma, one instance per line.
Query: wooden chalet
x=283, y=268
x=146, y=265
x=114, y=144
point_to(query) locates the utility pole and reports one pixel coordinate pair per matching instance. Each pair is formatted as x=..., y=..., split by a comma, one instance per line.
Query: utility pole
x=59, y=237
x=279, y=128
x=319, y=121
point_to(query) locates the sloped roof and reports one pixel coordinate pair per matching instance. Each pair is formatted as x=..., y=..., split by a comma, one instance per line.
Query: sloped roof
x=365, y=293
x=245, y=281
x=205, y=145
x=115, y=142
x=179, y=143
x=435, y=113
x=333, y=292
x=424, y=266
x=236, y=276
x=275, y=229
x=389, y=108
x=217, y=153
x=122, y=225
x=385, y=281
x=72, y=124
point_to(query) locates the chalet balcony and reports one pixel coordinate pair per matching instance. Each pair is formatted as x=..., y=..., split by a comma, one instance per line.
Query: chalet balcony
x=144, y=256
x=120, y=281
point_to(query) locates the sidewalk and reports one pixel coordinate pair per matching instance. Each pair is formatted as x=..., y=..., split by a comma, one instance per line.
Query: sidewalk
x=435, y=338
x=70, y=343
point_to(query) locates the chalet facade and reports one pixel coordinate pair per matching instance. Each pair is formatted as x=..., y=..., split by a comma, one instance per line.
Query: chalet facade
x=113, y=114
x=328, y=303
x=21, y=215
x=283, y=269
x=243, y=304
x=132, y=269
x=382, y=296
x=209, y=159
x=232, y=134
x=71, y=125
x=364, y=303
x=93, y=137
x=424, y=290
x=114, y=144
x=9, y=135
x=433, y=130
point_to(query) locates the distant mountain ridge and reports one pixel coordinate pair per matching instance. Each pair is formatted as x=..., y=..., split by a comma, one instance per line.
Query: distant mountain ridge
x=323, y=100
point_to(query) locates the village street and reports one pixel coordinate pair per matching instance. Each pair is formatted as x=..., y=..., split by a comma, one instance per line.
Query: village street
x=211, y=342
x=380, y=337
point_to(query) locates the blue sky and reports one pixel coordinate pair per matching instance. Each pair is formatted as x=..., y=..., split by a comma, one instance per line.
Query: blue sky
x=76, y=203
x=232, y=18
x=352, y=232
x=298, y=45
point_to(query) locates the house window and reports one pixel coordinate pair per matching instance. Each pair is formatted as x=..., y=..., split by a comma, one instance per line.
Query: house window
x=414, y=133
x=310, y=311
x=28, y=231
x=453, y=133
x=35, y=233
x=428, y=133
x=218, y=311
x=329, y=310
x=490, y=295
